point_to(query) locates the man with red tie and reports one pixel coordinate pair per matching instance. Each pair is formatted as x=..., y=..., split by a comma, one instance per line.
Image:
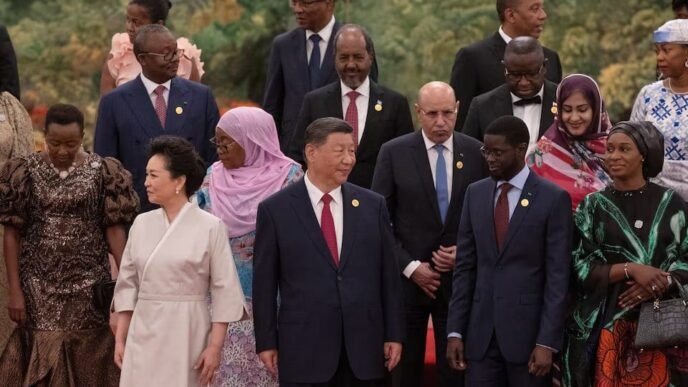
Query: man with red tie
x=326, y=246
x=376, y=113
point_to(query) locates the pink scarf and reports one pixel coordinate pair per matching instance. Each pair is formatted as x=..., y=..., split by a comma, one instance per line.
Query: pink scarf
x=236, y=193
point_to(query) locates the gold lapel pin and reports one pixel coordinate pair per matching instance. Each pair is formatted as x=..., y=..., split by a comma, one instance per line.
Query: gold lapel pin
x=355, y=203
x=459, y=165
x=524, y=203
x=554, y=108
x=179, y=110
x=378, y=106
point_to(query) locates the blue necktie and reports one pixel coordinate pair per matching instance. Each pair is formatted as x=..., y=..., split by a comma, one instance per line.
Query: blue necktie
x=441, y=182
x=314, y=63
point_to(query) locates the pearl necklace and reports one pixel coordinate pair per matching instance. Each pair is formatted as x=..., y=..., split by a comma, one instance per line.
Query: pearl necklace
x=63, y=173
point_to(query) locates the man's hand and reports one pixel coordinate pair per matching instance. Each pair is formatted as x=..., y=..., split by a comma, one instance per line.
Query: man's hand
x=444, y=258
x=455, y=354
x=427, y=279
x=269, y=359
x=392, y=355
x=540, y=361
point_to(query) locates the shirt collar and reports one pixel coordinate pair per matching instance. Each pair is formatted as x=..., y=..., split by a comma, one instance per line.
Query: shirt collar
x=519, y=180
x=504, y=36
x=363, y=90
x=448, y=144
x=325, y=33
x=315, y=194
x=541, y=93
x=151, y=86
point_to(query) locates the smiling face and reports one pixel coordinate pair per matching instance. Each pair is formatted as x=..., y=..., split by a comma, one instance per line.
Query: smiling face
x=331, y=162
x=352, y=60
x=161, y=187
x=623, y=159
x=63, y=143
x=576, y=114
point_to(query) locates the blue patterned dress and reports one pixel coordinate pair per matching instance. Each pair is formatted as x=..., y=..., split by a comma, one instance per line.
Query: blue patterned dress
x=668, y=111
x=240, y=365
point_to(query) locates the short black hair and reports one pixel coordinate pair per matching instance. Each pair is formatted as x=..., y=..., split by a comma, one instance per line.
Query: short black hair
x=318, y=130
x=502, y=5
x=512, y=128
x=143, y=34
x=157, y=9
x=64, y=114
x=181, y=159
x=370, y=47
x=678, y=4
x=524, y=45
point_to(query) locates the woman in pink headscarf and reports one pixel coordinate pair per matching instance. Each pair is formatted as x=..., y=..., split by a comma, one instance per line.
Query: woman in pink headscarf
x=251, y=167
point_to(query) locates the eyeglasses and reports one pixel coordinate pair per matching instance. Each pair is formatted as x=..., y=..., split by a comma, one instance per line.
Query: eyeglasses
x=435, y=114
x=497, y=153
x=169, y=56
x=304, y=3
x=222, y=146
x=531, y=75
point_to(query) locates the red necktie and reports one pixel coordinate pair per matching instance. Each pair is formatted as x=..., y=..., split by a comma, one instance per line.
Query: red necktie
x=327, y=227
x=501, y=214
x=351, y=116
x=160, y=105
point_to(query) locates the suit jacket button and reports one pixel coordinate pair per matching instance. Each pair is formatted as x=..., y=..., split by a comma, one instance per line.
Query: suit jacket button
x=339, y=278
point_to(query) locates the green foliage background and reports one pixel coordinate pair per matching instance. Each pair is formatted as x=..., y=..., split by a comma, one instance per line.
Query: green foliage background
x=62, y=44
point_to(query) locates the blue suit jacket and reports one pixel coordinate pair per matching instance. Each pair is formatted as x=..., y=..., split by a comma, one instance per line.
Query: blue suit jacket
x=358, y=304
x=518, y=294
x=127, y=122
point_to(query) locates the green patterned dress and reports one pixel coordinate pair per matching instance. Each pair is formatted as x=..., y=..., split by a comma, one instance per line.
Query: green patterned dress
x=646, y=226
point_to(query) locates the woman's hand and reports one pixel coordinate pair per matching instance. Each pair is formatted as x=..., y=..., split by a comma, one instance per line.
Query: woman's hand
x=208, y=363
x=653, y=280
x=634, y=295
x=119, y=353
x=16, y=306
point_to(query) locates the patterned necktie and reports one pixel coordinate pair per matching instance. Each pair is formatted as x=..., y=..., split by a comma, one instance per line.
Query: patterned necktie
x=160, y=105
x=327, y=227
x=314, y=62
x=441, y=182
x=501, y=214
x=351, y=116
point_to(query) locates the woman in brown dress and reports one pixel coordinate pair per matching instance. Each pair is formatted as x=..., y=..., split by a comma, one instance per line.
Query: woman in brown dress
x=63, y=210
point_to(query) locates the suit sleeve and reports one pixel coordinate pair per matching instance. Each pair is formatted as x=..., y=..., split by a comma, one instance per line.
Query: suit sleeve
x=296, y=143
x=212, y=116
x=463, y=80
x=106, y=138
x=273, y=99
x=472, y=126
x=557, y=269
x=557, y=77
x=383, y=183
x=463, y=284
x=404, y=122
x=9, y=76
x=265, y=281
x=392, y=294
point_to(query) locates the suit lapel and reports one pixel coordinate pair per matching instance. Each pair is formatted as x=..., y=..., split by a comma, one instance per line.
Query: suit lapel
x=327, y=66
x=522, y=207
x=546, y=116
x=498, y=47
x=372, y=119
x=457, y=178
x=142, y=108
x=351, y=215
x=488, y=201
x=502, y=102
x=303, y=208
x=299, y=47
x=177, y=107
x=420, y=158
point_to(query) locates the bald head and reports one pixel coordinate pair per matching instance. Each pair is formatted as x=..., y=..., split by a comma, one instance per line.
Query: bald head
x=436, y=89
x=436, y=110
x=524, y=45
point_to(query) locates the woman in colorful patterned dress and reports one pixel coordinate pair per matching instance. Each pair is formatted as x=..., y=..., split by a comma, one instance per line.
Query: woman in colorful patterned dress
x=251, y=167
x=569, y=154
x=665, y=103
x=632, y=238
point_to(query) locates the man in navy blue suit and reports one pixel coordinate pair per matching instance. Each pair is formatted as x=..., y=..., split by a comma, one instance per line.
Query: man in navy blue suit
x=326, y=246
x=156, y=102
x=507, y=311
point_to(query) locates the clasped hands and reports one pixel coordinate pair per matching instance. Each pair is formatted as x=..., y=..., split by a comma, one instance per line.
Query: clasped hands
x=427, y=278
x=646, y=283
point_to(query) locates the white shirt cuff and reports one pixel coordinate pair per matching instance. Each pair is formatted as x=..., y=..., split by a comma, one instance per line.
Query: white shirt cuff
x=410, y=268
x=550, y=348
x=455, y=335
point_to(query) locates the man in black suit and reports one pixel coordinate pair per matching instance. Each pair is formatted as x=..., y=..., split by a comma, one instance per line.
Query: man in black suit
x=478, y=67
x=292, y=69
x=424, y=194
x=9, y=76
x=526, y=93
x=376, y=113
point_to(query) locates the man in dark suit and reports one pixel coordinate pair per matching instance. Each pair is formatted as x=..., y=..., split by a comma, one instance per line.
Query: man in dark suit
x=156, y=102
x=512, y=269
x=423, y=177
x=292, y=69
x=9, y=76
x=526, y=93
x=326, y=246
x=376, y=113
x=478, y=67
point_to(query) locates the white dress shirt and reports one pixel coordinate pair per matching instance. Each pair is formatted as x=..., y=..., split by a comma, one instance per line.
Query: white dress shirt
x=504, y=36
x=151, y=86
x=530, y=114
x=361, y=103
x=449, y=163
x=325, y=34
x=336, y=207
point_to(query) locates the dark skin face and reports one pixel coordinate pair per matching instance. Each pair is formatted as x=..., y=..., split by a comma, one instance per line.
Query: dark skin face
x=153, y=63
x=312, y=14
x=671, y=59
x=137, y=17
x=681, y=13
x=623, y=159
x=525, y=74
x=229, y=152
x=503, y=159
x=63, y=144
x=352, y=60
